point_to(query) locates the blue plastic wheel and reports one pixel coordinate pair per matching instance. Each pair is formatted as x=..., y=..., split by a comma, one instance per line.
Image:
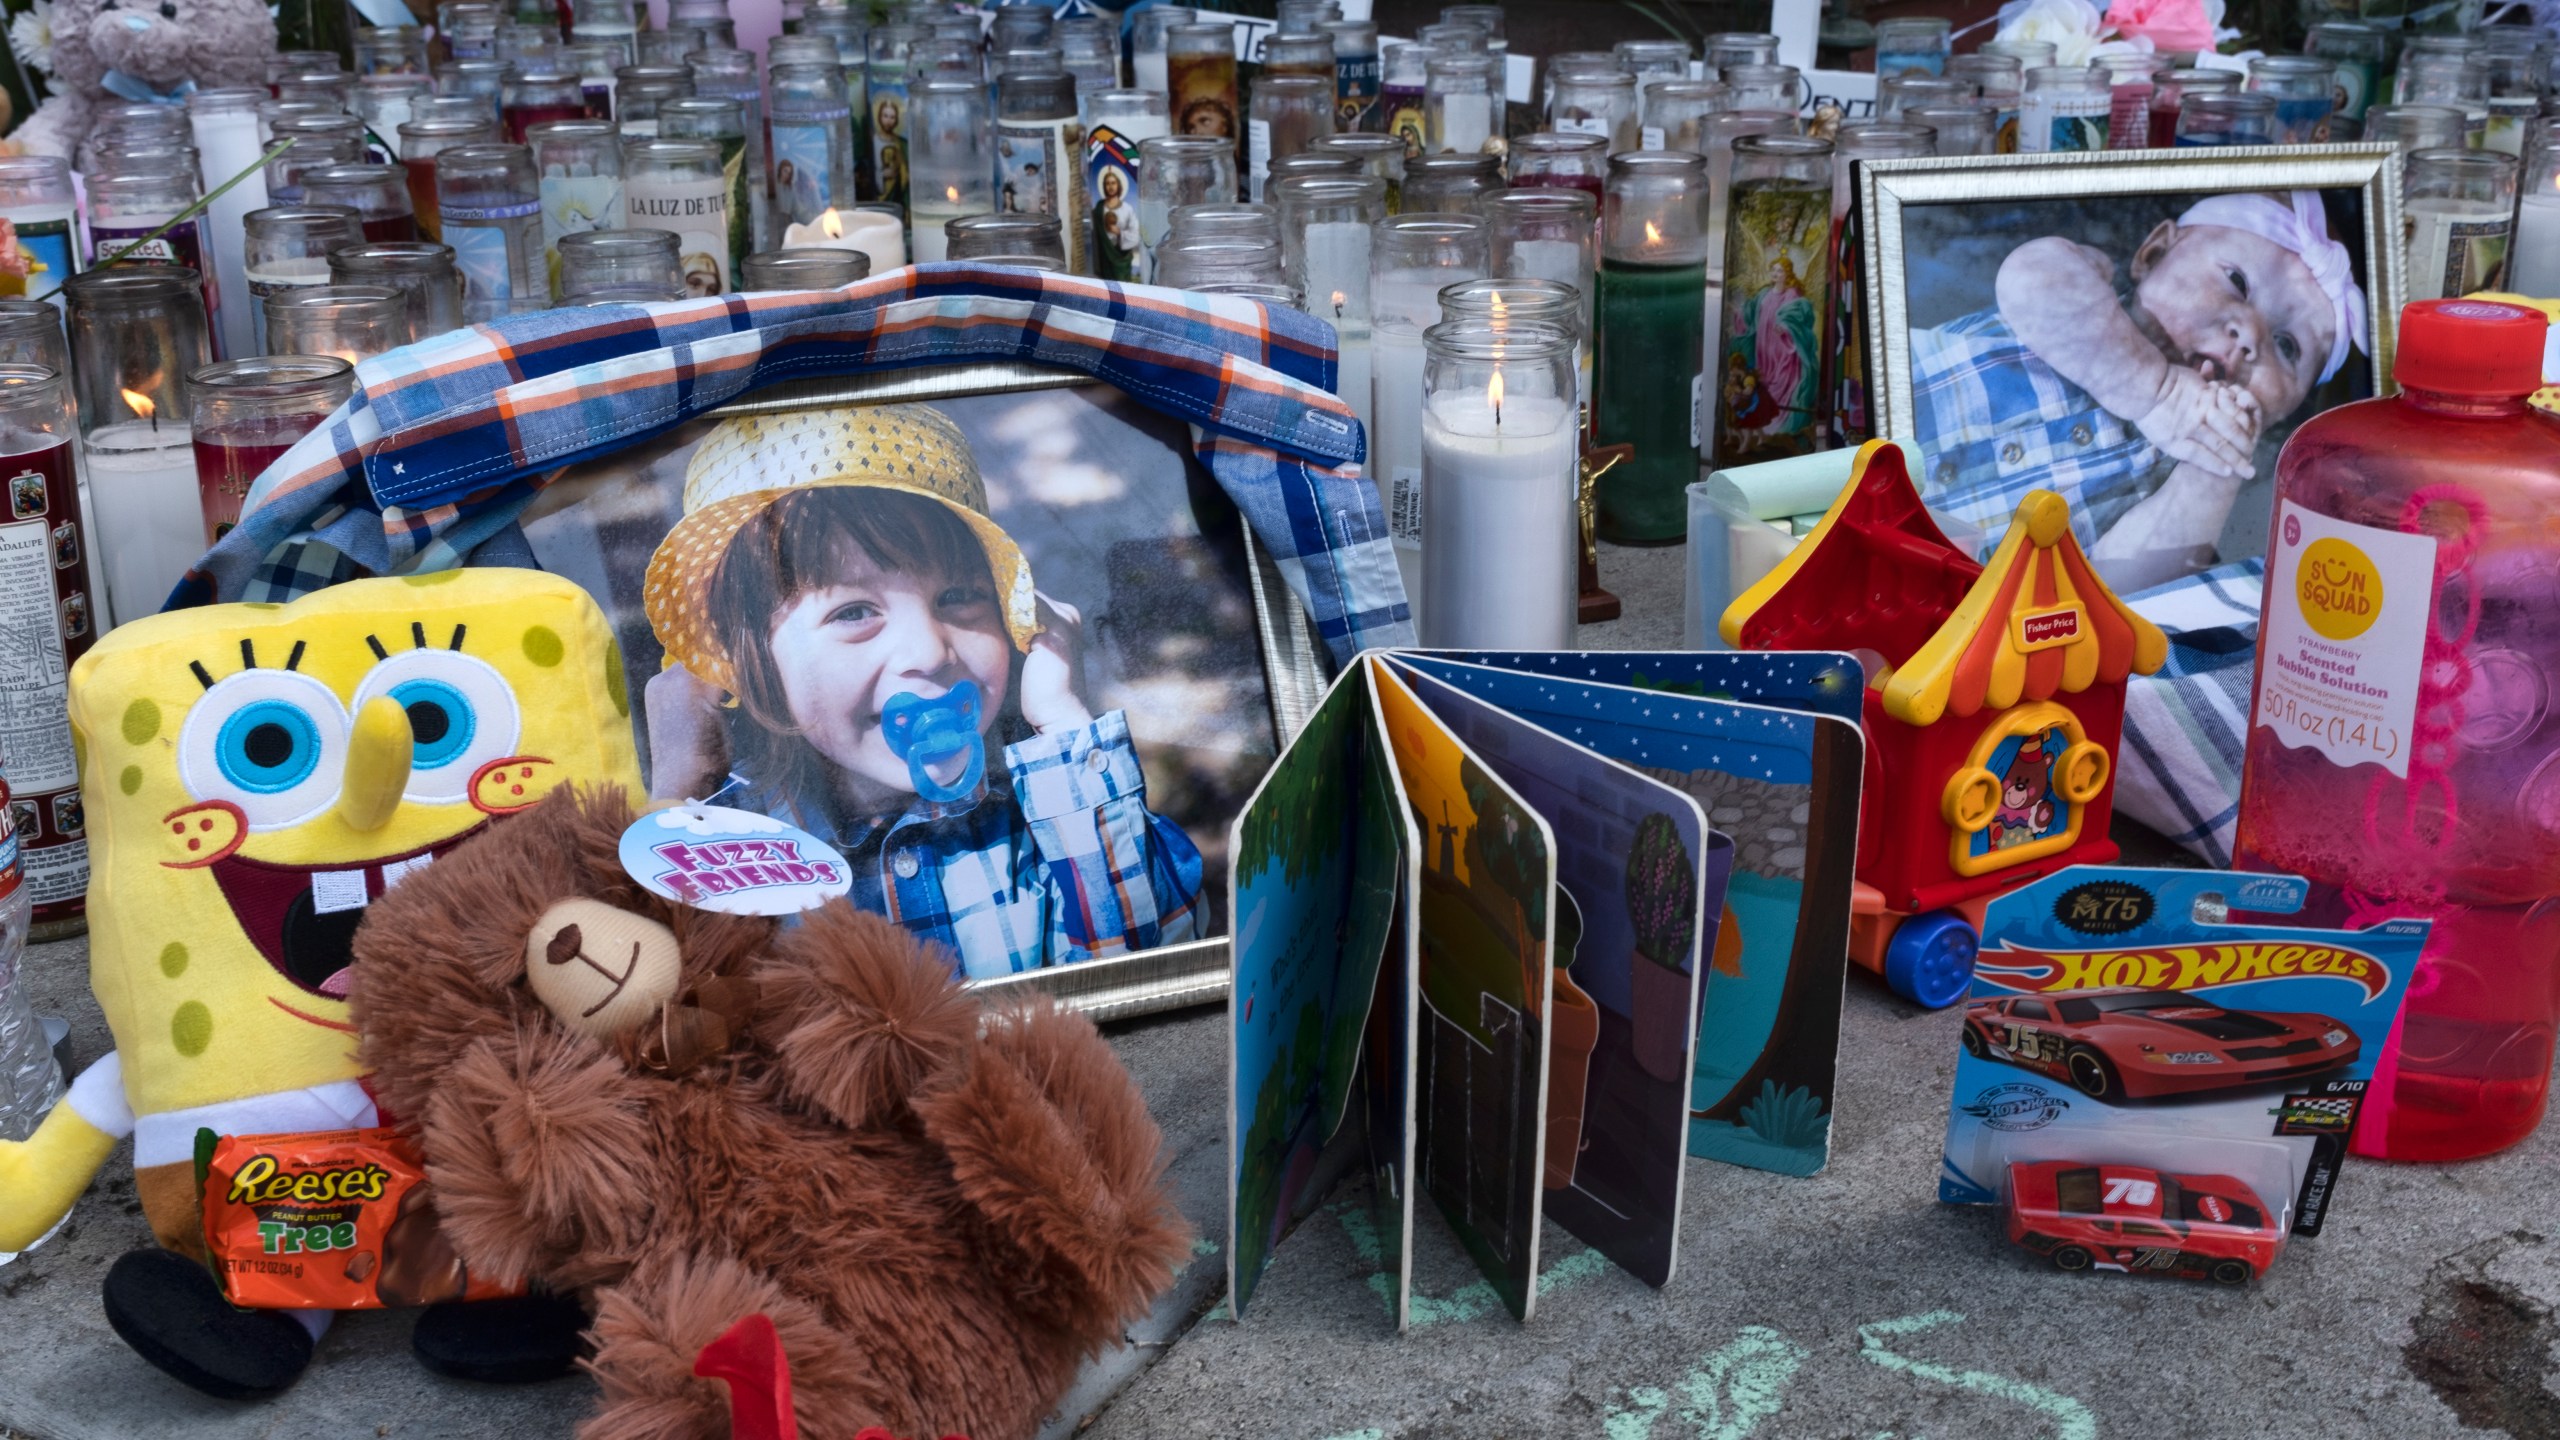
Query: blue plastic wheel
x=1929, y=960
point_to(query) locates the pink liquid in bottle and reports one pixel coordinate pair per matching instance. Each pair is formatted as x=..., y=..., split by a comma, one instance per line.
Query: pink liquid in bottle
x=2404, y=749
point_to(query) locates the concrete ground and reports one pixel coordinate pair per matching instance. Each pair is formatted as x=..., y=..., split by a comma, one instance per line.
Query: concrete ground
x=1847, y=1305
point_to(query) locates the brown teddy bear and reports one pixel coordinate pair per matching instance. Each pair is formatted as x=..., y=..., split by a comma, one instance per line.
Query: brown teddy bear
x=687, y=1118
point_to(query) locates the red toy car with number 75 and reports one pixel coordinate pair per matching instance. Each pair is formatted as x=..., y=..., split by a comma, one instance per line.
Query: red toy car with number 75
x=2128, y=1219
x=2133, y=1044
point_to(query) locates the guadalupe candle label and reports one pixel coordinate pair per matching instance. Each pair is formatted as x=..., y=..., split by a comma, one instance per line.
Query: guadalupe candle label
x=698, y=212
x=1355, y=89
x=2343, y=643
x=1033, y=174
x=803, y=169
x=1111, y=188
x=887, y=107
x=2453, y=253
x=1404, y=118
x=45, y=608
x=45, y=245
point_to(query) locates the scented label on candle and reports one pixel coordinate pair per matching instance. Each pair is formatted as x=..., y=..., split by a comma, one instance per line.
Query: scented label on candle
x=45, y=607
x=803, y=172
x=1355, y=88
x=1111, y=189
x=698, y=212
x=46, y=247
x=1034, y=172
x=180, y=244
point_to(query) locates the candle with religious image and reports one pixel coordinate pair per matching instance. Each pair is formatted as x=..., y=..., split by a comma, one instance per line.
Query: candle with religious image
x=2459, y=215
x=1117, y=124
x=1403, y=83
x=1500, y=459
x=1413, y=258
x=1040, y=156
x=1200, y=70
x=1777, y=300
x=1844, y=345
x=885, y=80
x=1326, y=224
x=1648, y=370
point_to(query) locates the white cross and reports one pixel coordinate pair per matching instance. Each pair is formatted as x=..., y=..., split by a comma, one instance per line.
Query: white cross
x=399, y=469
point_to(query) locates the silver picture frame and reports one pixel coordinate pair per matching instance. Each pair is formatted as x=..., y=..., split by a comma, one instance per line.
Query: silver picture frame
x=1295, y=673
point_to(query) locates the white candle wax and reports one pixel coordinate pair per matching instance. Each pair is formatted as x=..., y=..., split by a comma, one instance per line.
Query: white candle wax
x=1501, y=532
x=931, y=242
x=1466, y=122
x=1353, y=379
x=1395, y=446
x=227, y=142
x=1147, y=68
x=875, y=233
x=149, y=524
x=2533, y=261
x=1337, y=270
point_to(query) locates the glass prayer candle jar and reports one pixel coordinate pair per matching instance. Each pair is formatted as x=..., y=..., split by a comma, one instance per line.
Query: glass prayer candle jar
x=1376, y=154
x=1309, y=162
x=731, y=75
x=50, y=591
x=595, y=62
x=1719, y=131
x=1090, y=49
x=1252, y=222
x=579, y=165
x=607, y=22
x=946, y=59
x=1846, y=415
x=1739, y=47
x=1186, y=262
x=2359, y=53
x=1325, y=226
x=722, y=121
x=489, y=207
x=289, y=62
x=2066, y=107
x=806, y=269
x=111, y=155
x=1672, y=111
x=1287, y=112
x=1908, y=43
x=984, y=237
x=317, y=140
x=421, y=270
x=421, y=141
x=1770, y=364
x=1117, y=123
x=1897, y=93
x=391, y=50
x=322, y=87
x=1303, y=17
x=683, y=186
x=2517, y=58
x=1501, y=457
x=31, y=334
x=1039, y=156
x=951, y=160
x=1446, y=38
x=480, y=79
x=2030, y=54
x=1450, y=183
x=1355, y=75
x=2132, y=81
x=1404, y=79
x=2169, y=92
x=637, y=89
x=2533, y=262
x=2305, y=91
x=379, y=194
x=1019, y=27
x=1462, y=104
x=351, y=322
x=1553, y=159
x=1649, y=364
x=1969, y=127
x=1176, y=171
x=526, y=48
x=285, y=246
x=2414, y=127
x=1549, y=237
x=1998, y=79
x=130, y=220
x=593, y=261
x=1488, y=18
x=225, y=125
x=1598, y=103
x=1766, y=87
x=454, y=107
x=2459, y=211
x=1413, y=259
x=1650, y=60
x=1309, y=54
x=386, y=102
x=537, y=99
x=2226, y=117
x=468, y=32
x=1149, y=35
x=2445, y=77
x=811, y=141
x=1200, y=73
x=136, y=333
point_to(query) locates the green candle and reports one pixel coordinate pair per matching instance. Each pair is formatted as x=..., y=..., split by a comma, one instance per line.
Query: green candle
x=1652, y=346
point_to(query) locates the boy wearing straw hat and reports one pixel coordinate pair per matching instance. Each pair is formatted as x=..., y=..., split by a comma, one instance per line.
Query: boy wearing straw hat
x=838, y=602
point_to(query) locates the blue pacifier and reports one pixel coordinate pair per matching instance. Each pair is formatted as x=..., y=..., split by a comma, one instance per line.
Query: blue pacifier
x=931, y=732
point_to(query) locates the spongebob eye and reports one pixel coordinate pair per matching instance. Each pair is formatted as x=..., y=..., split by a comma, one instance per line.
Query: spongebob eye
x=461, y=712
x=269, y=741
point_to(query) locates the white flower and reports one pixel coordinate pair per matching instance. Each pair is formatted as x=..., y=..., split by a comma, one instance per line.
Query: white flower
x=31, y=35
x=2073, y=27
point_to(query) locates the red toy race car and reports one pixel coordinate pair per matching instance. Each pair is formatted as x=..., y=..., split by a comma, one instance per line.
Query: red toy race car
x=2132, y=1044
x=2122, y=1217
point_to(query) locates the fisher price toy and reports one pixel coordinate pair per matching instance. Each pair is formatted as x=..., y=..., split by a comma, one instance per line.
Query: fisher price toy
x=1994, y=702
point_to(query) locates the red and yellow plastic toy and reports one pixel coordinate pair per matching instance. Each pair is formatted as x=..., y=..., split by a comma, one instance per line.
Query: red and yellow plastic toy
x=1994, y=702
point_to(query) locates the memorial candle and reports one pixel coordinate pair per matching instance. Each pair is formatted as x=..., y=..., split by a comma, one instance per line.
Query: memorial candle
x=1500, y=462
x=246, y=414
x=2533, y=261
x=225, y=122
x=1777, y=300
x=1413, y=257
x=1649, y=362
x=1326, y=228
x=136, y=332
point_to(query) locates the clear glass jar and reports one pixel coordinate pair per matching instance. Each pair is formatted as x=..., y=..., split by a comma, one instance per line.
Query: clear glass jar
x=1649, y=370
x=1288, y=111
x=468, y=31
x=1311, y=162
x=598, y=260
x=1718, y=132
x=1913, y=42
x=538, y=99
x=1462, y=104
x=682, y=186
x=1149, y=31
x=1309, y=54
x=1117, y=124
x=2414, y=127
x=951, y=160
x=1090, y=48
x=637, y=89
x=1200, y=72
x=317, y=140
x=455, y=107
x=1769, y=402
x=271, y=111
x=136, y=333
x=379, y=194
x=1450, y=183
x=285, y=246
x=1897, y=93
x=1739, y=47
x=225, y=125
x=579, y=163
x=1998, y=79
x=2359, y=52
x=596, y=62
x=288, y=62
x=525, y=47
x=2030, y=54
x=1227, y=218
x=111, y=155
x=1671, y=111
x=1188, y=262
x=1549, y=238
x=2459, y=211
x=246, y=413
x=1325, y=225
x=2169, y=93
x=489, y=209
x=1766, y=87
x=125, y=209
x=421, y=270
x=321, y=87
x=2533, y=262
x=351, y=322
x=1377, y=154
x=1355, y=76
x=1012, y=27
x=2132, y=80
x=806, y=269
x=481, y=79
x=1404, y=81
x=1446, y=38
x=421, y=141
x=1501, y=464
x=982, y=237
x=811, y=140
x=607, y=22
x=1650, y=60
x=1969, y=127
x=385, y=103
x=2214, y=118
x=723, y=121
x=1598, y=103
x=2066, y=107
x=2446, y=77
x=1175, y=172
x=52, y=592
x=391, y=50
x=1551, y=159
x=1301, y=17
x=1414, y=258
x=1491, y=19
x=2305, y=91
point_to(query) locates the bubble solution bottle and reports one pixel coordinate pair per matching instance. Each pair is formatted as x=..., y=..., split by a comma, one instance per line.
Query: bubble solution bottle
x=2404, y=748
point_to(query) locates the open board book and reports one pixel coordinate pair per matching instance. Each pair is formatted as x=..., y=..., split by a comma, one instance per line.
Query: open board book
x=1519, y=932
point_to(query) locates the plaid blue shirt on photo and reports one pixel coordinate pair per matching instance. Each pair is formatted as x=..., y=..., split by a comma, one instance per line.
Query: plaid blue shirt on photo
x=1993, y=421
x=446, y=441
x=1074, y=868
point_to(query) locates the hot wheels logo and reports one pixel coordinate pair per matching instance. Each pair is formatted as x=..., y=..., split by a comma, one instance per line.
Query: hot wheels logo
x=2182, y=967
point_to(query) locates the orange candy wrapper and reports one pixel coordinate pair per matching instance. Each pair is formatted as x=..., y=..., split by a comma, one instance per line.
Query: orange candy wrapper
x=336, y=1220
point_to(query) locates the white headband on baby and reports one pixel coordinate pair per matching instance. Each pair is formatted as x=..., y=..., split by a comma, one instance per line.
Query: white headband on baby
x=2301, y=227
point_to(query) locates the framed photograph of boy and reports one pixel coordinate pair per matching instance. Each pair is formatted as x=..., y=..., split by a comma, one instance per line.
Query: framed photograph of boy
x=2138, y=331
x=991, y=633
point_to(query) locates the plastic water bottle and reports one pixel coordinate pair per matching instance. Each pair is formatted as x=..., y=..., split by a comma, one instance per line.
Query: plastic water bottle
x=29, y=1080
x=2404, y=741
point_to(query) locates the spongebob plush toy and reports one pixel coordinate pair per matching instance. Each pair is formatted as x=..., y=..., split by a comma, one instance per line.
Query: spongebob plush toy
x=257, y=775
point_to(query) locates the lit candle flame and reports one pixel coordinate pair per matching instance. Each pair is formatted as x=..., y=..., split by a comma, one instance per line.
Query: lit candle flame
x=1652, y=233
x=1493, y=397
x=951, y=193
x=833, y=228
x=1339, y=300
x=141, y=404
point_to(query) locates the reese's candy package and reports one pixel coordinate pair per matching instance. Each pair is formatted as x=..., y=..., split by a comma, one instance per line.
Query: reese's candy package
x=336, y=1220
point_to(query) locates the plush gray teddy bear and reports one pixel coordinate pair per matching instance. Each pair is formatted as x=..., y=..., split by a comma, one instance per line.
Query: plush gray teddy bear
x=110, y=50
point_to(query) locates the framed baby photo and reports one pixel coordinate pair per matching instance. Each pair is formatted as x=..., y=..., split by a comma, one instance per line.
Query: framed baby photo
x=2137, y=331
x=989, y=631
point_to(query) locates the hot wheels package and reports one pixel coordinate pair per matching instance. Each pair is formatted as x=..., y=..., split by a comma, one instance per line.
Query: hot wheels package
x=2147, y=1087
